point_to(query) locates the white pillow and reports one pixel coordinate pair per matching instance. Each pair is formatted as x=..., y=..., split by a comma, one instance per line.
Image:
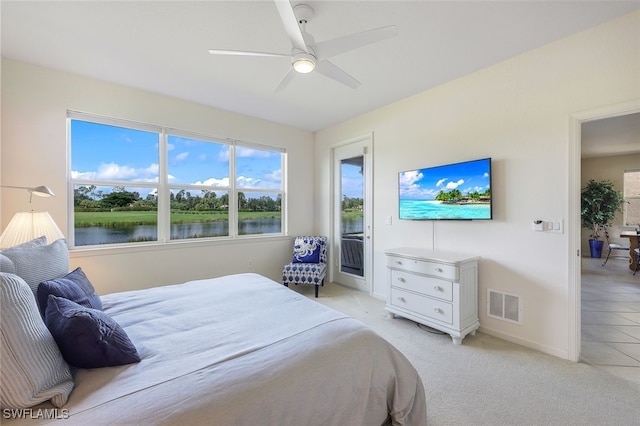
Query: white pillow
x=35, y=264
x=6, y=265
x=33, y=370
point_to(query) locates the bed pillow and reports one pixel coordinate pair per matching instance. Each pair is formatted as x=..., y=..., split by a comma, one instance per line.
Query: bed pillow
x=74, y=286
x=39, y=263
x=33, y=370
x=88, y=338
x=306, y=251
x=6, y=265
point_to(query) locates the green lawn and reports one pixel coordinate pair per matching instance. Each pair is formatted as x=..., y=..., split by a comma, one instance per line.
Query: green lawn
x=114, y=219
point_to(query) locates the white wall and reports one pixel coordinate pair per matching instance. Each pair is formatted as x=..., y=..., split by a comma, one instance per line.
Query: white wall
x=35, y=101
x=516, y=112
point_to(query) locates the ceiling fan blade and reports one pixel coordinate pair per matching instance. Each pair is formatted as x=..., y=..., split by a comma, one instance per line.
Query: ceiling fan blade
x=291, y=26
x=332, y=71
x=285, y=80
x=336, y=46
x=245, y=53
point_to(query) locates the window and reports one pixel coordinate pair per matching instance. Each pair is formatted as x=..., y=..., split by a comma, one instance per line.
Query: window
x=631, y=195
x=134, y=183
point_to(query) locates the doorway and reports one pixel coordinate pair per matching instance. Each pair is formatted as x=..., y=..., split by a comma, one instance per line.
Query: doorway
x=352, y=214
x=575, y=230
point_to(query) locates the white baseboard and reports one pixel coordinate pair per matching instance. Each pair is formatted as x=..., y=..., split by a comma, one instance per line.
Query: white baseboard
x=527, y=343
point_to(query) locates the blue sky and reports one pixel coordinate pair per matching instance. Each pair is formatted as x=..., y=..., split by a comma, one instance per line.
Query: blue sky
x=425, y=184
x=352, y=181
x=113, y=153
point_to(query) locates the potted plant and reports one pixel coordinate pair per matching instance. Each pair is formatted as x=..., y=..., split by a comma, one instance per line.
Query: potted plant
x=600, y=203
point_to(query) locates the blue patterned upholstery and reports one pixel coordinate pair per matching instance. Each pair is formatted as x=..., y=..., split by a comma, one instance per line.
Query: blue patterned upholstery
x=297, y=272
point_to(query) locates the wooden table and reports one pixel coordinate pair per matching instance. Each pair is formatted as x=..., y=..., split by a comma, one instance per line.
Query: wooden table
x=633, y=240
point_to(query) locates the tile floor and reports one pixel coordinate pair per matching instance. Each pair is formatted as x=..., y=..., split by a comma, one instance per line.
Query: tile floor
x=611, y=317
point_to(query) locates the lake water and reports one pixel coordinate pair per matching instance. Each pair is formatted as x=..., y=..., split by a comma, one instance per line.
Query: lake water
x=352, y=225
x=106, y=235
x=98, y=235
x=419, y=209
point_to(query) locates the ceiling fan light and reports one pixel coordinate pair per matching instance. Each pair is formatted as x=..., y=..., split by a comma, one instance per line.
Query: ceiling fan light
x=304, y=63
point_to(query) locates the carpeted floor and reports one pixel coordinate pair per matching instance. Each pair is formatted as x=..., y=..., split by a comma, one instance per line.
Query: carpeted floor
x=488, y=381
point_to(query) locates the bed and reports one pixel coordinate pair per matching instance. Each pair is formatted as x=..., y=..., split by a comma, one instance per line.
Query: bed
x=240, y=350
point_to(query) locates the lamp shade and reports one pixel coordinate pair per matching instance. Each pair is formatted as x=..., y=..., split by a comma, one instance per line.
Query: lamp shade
x=25, y=226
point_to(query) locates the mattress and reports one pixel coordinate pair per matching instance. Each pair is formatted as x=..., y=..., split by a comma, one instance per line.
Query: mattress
x=241, y=350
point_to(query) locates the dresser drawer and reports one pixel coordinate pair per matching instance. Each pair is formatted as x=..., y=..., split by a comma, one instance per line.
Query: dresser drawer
x=422, y=284
x=423, y=267
x=426, y=306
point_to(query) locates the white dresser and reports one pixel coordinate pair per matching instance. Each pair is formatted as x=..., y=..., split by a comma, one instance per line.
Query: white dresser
x=435, y=288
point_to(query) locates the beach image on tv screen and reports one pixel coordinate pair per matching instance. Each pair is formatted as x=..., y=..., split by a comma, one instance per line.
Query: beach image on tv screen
x=454, y=191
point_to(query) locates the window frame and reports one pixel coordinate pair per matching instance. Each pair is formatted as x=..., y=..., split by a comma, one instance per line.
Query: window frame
x=636, y=198
x=164, y=187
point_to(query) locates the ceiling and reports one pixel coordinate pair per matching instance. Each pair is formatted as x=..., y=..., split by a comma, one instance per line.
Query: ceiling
x=611, y=136
x=161, y=46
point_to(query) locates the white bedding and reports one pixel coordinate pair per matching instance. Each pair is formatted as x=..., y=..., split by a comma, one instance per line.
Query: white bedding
x=244, y=350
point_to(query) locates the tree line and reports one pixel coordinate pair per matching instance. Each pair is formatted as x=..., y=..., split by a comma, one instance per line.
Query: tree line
x=456, y=196
x=349, y=203
x=90, y=198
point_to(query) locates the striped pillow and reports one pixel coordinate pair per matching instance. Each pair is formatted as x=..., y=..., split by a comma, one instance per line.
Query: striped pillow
x=35, y=264
x=33, y=370
x=6, y=265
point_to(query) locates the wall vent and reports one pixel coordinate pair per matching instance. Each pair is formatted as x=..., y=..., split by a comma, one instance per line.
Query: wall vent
x=504, y=306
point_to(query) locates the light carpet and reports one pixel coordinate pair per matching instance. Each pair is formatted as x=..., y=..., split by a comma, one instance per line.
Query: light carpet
x=489, y=381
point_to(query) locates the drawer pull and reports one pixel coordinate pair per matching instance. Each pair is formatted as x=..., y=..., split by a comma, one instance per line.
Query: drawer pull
x=437, y=310
x=401, y=299
x=437, y=288
x=401, y=279
x=439, y=270
x=398, y=262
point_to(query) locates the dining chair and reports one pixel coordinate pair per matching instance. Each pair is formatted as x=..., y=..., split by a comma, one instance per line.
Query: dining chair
x=614, y=246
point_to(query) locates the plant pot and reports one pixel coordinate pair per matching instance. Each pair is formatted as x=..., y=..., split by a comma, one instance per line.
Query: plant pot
x=596, y=248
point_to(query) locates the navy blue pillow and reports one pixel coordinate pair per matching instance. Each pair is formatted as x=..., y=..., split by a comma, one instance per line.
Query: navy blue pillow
x=74, y=286
x=306, y=251
x=88, y=338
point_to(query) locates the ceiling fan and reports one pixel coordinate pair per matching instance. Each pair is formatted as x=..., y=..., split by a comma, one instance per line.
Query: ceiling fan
x=307, y=55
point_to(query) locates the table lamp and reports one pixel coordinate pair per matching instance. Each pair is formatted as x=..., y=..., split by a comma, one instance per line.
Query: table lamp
x=26, y=226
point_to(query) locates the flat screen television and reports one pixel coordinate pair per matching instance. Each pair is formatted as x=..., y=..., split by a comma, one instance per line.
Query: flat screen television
x=459, y=191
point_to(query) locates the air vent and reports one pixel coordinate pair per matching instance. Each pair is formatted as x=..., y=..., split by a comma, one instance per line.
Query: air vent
x=504, y=306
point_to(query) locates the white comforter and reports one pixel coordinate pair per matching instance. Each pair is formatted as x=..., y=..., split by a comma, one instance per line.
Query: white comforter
x=244, y=350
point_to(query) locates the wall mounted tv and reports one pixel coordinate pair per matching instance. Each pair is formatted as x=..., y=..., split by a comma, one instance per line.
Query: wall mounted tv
x=459, y=191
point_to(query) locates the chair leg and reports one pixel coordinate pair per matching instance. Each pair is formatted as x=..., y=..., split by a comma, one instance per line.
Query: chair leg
x=607, y=259
x=317, y=287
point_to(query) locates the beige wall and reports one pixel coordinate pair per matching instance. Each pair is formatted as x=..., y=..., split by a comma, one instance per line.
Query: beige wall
x=517, y=112
x=35, y=101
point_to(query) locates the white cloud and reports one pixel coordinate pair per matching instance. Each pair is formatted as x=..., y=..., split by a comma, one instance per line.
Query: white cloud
x=254, y=153
x=113, y=171
x=246, y=182
x=182, y=156
x=409, y=187
x=213, y=182
x=454, y=185
x=275, y=176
